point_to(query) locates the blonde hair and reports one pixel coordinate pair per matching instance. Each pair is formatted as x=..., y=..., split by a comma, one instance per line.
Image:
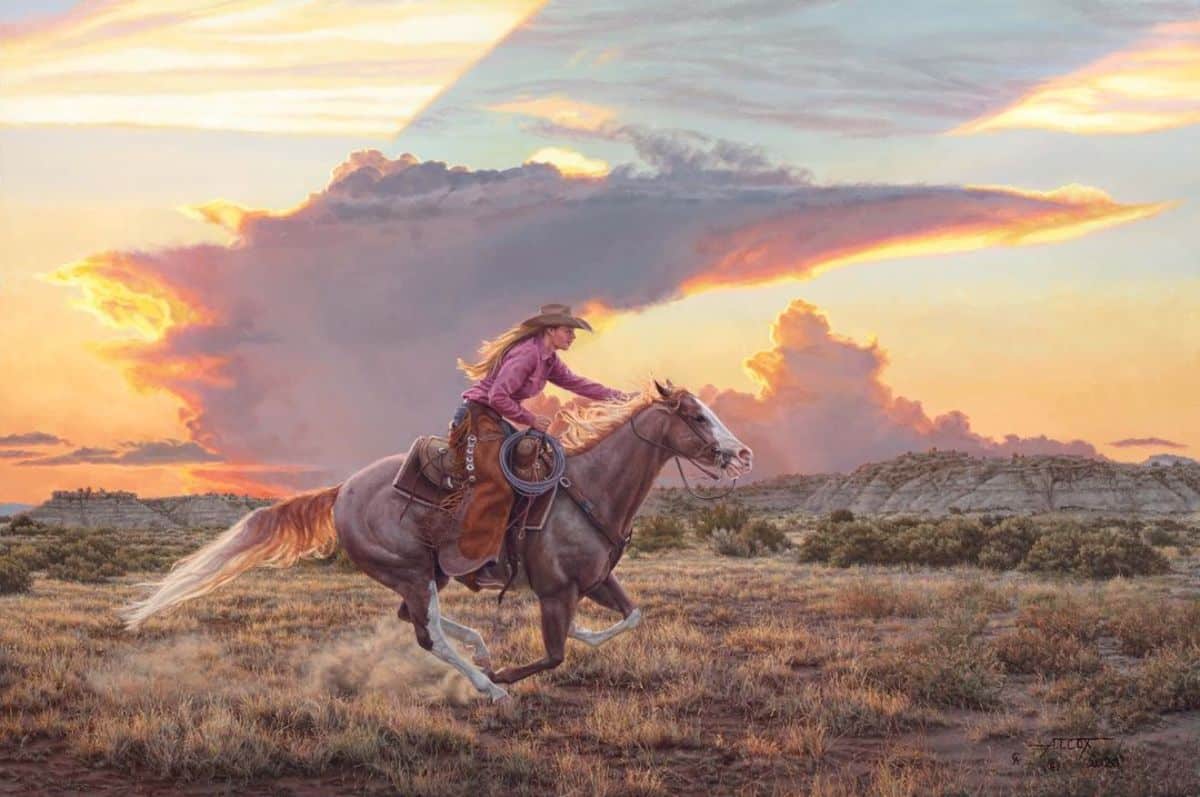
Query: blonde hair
x=592, y=423
x=491, y=352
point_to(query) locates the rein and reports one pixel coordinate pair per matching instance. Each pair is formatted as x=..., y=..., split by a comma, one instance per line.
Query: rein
x=676, y=454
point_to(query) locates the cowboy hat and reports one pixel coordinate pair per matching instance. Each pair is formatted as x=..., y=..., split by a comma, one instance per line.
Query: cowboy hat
x=556, y=315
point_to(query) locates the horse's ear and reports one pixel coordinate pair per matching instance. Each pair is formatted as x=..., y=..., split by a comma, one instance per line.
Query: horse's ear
x=663, y=391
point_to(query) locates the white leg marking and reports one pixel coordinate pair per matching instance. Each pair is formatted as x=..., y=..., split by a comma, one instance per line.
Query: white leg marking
x=446, y=652
x=598, y=638
x=469, y=637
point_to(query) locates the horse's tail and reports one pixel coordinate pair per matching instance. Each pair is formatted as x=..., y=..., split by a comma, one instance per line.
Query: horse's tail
x=274, y=536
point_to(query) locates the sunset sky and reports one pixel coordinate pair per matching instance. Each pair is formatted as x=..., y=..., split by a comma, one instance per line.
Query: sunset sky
x=244, y=241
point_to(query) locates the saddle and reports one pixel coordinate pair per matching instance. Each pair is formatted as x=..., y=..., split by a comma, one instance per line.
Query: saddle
x=430, y=475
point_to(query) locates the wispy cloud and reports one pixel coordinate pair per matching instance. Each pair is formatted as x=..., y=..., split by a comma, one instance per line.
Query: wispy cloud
x=1153, y=85
x=17, y=453
x=32, y=439
x=140, y=454
x=1146, y=442
x=352, y=68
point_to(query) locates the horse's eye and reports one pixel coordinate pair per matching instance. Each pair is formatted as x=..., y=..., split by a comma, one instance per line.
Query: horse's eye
x=700, y=418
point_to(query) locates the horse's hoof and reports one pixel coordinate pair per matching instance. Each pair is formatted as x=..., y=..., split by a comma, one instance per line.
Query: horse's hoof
x=498, y=695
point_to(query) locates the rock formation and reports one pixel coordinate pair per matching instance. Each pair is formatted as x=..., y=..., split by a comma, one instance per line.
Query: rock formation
x=938, y=483
x=93, y=509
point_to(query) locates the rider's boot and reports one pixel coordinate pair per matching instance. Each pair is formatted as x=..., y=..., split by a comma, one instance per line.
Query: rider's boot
x=493, y=574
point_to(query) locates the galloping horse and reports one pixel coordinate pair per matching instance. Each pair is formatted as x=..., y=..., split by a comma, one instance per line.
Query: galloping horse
x=616, y=452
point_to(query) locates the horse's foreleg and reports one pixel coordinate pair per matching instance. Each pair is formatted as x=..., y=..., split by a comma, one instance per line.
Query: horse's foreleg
x=609, y=594
x=557, y=611
x=440, y=647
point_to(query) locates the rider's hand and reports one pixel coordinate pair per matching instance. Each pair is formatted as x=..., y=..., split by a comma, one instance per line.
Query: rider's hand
x=541, y=423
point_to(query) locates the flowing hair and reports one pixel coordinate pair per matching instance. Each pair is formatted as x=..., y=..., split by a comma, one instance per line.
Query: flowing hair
x=491, y=352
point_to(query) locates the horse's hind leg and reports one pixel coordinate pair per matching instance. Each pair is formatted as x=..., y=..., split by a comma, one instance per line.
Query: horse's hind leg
x=609, y=594
x=431, y=634
x=461, y=633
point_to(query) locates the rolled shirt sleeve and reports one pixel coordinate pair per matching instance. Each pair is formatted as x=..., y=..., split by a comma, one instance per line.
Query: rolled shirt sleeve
x=513, y=373
x=567, y=379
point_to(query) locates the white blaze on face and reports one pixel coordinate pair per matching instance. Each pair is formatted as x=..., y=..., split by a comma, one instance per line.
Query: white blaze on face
x=726, y=441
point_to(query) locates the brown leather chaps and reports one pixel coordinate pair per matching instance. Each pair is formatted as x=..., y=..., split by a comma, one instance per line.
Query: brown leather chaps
x=490, y=498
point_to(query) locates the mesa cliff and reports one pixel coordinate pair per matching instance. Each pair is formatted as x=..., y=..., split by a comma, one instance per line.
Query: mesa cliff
x=945, y=482
x=88, y=508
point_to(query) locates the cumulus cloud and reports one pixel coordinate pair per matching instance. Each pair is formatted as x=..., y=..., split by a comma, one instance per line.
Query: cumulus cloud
x=1145, y=442
x=32, y=439
x=145, y=453
x=822, y=407
x=326, y=336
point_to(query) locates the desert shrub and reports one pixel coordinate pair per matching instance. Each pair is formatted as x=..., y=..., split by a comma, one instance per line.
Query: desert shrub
x=14, y=576
x=1054, y=635
x=722, y=515
x=88, y=557
x=25, y=525
x=1167, y=681
x=1025, y=651
x=1160, y=536
x=32, y=557
x=861, y=543
x=953, y=672
x=1107, y=554
x=758, y=538
x=949, y=542
x=1101, y=553
x=658, y=533
x=1143, y=627
x=841, y=516
x=1007, y=543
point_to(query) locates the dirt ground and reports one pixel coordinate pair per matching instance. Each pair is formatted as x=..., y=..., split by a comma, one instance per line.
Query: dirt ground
x=747, y=676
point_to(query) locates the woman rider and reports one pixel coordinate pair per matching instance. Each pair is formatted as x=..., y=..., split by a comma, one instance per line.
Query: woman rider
x=512, y=367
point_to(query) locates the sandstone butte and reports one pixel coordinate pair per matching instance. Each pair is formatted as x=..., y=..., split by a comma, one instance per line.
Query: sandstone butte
x=946, y=482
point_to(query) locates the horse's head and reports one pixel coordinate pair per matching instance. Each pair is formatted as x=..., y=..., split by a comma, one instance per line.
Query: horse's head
x=696, y=432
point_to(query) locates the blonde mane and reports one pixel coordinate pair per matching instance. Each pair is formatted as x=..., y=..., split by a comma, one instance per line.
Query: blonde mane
x=592, y=423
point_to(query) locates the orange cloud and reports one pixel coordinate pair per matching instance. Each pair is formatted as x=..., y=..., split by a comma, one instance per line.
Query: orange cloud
x=1154, y=85
x=822, y=406
x=757, y=254
x=256, y=65
x=124, y=294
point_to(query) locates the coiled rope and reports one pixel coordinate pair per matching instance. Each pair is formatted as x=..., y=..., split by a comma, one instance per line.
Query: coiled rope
x=533, y=488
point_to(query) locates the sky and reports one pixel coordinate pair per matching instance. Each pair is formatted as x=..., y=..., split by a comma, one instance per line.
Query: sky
x=245, y=242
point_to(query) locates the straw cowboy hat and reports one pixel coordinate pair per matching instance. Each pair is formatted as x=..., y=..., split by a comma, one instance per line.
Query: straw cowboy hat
x=556, y=315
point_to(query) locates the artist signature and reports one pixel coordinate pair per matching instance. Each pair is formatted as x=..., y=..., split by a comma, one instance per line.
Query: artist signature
x=1048, y=755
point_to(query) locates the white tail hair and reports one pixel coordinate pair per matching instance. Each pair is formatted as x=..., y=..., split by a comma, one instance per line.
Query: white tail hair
x=274, y=536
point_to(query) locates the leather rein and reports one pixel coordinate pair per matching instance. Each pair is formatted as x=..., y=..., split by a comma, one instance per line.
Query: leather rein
x=676, y=454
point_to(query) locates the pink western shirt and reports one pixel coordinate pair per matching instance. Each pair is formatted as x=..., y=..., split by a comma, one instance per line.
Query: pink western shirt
x=523, y=372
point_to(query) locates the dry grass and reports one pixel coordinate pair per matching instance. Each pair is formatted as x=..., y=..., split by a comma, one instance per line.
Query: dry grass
x=747, y=677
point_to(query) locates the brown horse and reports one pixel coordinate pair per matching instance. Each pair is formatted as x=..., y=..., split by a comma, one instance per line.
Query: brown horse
x=616, y=452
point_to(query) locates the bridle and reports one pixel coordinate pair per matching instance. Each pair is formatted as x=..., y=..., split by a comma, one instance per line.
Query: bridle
x=710, y=448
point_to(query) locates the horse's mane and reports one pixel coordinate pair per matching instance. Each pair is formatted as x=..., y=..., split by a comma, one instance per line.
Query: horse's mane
x=590, y=424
